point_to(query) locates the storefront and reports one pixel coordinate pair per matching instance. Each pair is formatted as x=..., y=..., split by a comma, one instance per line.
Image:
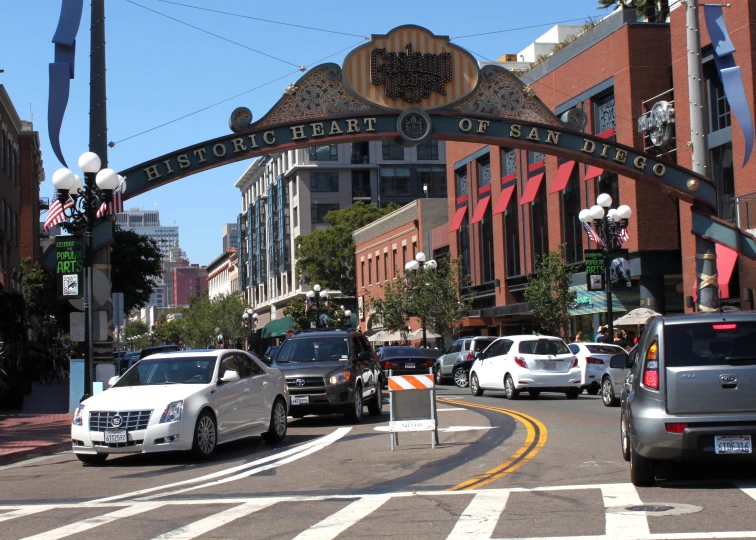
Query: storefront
x=589, y=312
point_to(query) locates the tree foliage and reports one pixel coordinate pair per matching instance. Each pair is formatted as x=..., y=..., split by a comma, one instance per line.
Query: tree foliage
x=548, y=292
x=40, y=289
x=135, y=263
x=166, y=331
x=296, y=309
x=652, y=10
x=204, y=315
x=326, y=256
x=134, y=328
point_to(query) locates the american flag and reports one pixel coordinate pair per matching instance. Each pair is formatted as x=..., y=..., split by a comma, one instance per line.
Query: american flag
x=592, y=235
x=325, y=302
x=115, y=206
x=56, y=213
x=621, y=237
x=308, y=304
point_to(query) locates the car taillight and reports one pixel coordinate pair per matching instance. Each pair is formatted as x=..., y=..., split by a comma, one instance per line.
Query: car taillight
x=520, y=362
x=592, y=360
x=575, y=362
x=651, y=368
x=390, y=365
x=676, y=427
x=730, y=326
x=470, y=355
x=427, y=364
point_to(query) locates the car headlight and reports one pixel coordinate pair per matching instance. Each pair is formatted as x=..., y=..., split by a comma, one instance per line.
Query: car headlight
x=341, y=377
x=172, y=412
x=78, y=415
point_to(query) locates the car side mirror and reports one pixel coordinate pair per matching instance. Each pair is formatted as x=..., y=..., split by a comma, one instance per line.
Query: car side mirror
x=478, y=355
x=364, y=356
x=230, y=376
x=267, y=360
x=112, y=381
x=618, y=362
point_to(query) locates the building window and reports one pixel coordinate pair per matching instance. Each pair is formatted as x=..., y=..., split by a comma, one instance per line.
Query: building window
x=404, y=256
x=360, y=153
x=539, y=224
x=573, y=230
x=433, y=180
x=2, y=150
x=723, y=175
x=718, y=106
x=318, y=212
x=361, y=185
x=385, y=266
x=362, y=273
x=395, y=182
x=324, y=153
x=512, y=238
x=463, y=241
x=294, y=187
x=487, y=246
x=296, y=216
x=484, y=171
x=414, y=249
x=324, y=181
x=461, y=180
x=535, y=157
x=604, y=113
x=427, y=150
x=377, y=268
x=608, y=182
x=392, y=151
x=394, y=258
x=370, y=271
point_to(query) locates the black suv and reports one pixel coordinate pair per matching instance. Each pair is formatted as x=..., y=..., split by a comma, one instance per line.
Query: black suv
x=331, y=371
x=157, y=349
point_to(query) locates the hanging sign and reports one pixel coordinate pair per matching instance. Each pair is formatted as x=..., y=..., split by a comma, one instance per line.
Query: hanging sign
x=69, y=266
x=595, y=270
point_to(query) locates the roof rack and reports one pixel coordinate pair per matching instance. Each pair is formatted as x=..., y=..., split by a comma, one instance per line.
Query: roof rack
x=328, y=329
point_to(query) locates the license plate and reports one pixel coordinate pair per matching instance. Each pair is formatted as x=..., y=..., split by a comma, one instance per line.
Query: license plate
x=733, y=444
x=115, y=437
x=409, y=366
x=549, y=366
x=300, y=400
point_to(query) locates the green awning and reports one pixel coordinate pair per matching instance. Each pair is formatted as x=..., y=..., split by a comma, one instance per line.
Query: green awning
x=277, y=328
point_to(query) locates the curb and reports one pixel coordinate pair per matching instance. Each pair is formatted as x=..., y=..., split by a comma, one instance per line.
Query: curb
x=22, y=455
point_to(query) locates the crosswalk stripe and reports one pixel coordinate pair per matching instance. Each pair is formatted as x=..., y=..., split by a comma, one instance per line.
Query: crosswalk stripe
x=193, y=530
x=749, y=488
x=26, y=511
x=481, y=516
x=337, y=523
x=629, y=525
x=91, y=523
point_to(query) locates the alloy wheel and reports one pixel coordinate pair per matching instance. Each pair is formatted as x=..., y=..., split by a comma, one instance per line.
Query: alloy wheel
x=624, y=439
x=358, y=409
x=509, y=387
x=606, y=392
x=279, y=418
x=460, y=378
x=206, y=435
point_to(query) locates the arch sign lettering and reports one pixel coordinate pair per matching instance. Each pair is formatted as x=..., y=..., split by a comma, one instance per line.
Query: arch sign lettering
x=411, y=85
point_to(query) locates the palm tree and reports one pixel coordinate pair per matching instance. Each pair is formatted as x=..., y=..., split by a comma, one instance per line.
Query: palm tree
x=652, y=10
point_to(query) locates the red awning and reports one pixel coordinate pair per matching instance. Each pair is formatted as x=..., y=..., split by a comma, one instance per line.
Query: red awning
x=458, y=217
x=531, y=189
x=726, y=259
x=593, y=172
x=480, y=210
x=504, y=198
x=562, y=177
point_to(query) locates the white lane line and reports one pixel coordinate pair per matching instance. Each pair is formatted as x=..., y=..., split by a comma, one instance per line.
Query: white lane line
x=323, y=442
x=450, y=429
x=26, y=511
x=198, y=528
x=629, y=525
x=749, y=488
x=225, y=472
x=480, y=517
x=91, y=523
x=337, y=523
x=32, y=461
x=452, y=409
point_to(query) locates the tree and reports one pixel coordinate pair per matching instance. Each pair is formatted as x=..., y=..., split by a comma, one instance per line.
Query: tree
x=326, y=256
x=40, y=289
x=135, y=328
x=204, y=315
x=393, y=307
x=297, y=310
x=135, y=263
x=652, y=10
x=549, y=294
x=169, y=331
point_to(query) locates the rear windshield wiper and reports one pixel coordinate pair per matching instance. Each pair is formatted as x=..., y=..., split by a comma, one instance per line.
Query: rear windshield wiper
x=740, y=359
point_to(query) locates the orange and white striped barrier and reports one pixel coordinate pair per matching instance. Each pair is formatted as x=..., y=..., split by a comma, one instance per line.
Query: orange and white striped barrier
x=410, y=382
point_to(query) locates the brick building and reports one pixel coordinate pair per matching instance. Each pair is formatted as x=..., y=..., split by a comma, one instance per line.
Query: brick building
x=10, y=196
x=31, y=174
x=189, y=281
x=386, y=245
x=507, y=207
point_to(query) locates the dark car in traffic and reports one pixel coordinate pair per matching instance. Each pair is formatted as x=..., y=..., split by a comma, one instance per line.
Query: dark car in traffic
x=270, y=354
x=404, y=360
x=157, y=349
x=331, y=371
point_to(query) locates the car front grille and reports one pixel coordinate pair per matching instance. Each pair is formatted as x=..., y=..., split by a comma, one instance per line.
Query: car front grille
x=130, y=420
x=310, y=385
x=118, y=445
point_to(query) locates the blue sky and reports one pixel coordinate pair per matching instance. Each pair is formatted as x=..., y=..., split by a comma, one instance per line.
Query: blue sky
x=159, y=70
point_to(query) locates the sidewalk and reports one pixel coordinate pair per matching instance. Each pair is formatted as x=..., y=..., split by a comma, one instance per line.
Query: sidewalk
x=42, y=427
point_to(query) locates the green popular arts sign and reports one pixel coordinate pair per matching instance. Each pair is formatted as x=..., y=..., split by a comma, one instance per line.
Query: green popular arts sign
x=595, y=270
x=69, y=267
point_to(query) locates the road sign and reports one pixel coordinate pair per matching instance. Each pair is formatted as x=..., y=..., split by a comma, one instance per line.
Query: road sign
x=289, y=332
x=412, y=405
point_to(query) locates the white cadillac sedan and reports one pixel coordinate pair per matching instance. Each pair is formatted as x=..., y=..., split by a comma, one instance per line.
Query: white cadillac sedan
x=192, y=400
x=533, y=363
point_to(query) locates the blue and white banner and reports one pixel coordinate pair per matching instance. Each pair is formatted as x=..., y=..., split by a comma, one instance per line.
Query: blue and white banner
x=729, y=72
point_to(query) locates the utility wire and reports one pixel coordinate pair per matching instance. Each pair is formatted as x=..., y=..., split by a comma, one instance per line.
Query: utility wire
x=262, y=20
x=516, y=29
x=213, y=34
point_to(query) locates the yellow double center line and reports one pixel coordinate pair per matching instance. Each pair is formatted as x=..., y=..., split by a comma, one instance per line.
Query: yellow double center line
x=534, y=441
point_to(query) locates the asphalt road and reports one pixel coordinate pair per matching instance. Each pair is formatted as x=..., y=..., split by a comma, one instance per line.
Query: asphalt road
x=533, y=468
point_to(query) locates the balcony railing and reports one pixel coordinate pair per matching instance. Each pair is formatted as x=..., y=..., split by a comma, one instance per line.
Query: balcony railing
x=743, y=212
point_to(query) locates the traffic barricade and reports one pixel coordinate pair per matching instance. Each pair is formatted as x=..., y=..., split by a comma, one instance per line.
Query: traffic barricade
x=412, y=404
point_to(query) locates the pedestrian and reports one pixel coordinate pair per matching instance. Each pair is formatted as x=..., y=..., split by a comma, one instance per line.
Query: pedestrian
x=578, y=338
x=601, y=330
x=604, y=336
x=621, y=339
x=49, y=368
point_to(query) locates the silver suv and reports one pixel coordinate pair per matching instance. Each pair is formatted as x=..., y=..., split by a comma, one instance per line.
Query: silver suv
x=462, y=349
x=691, y=392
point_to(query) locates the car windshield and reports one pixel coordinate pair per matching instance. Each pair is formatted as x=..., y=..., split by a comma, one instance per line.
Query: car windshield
x=395, y=352
x=710, y=344
x=481, y=344
x=314, y=349
x=170, y=370
x=544, y=346
x=604, y=349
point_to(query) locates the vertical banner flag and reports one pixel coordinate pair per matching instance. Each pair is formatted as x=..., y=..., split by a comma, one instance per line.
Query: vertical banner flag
x=69, y=267
x=729, y=72
x=62, y=70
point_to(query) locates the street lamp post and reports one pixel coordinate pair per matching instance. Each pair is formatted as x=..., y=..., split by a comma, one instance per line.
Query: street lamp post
x=420, y=264
x=249, y=320
x=96, y=190
x=316, y=294
x=608, y=226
